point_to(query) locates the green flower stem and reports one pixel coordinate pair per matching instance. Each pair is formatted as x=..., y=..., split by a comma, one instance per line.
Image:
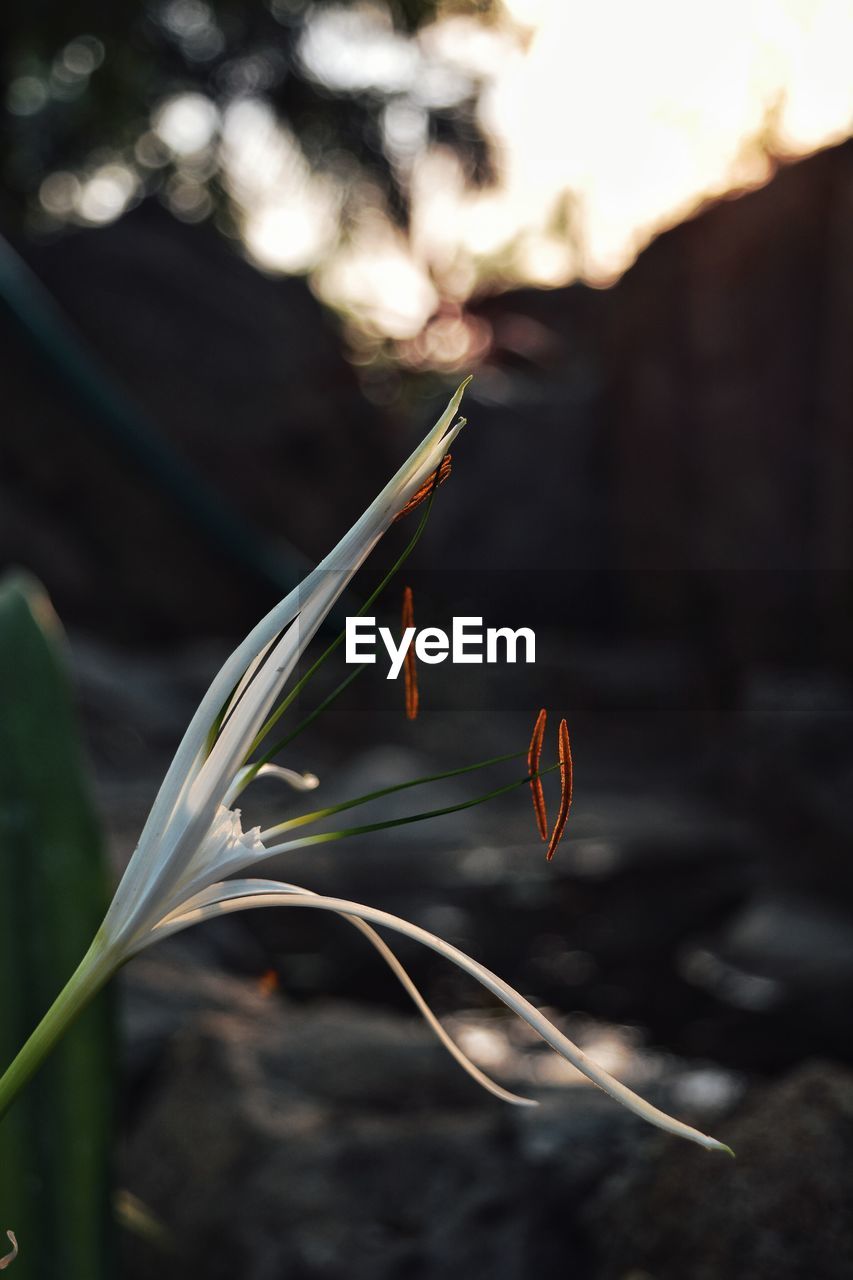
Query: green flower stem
x=93, y=971
x=317, y=815
x=309, y=719
x=326, y=837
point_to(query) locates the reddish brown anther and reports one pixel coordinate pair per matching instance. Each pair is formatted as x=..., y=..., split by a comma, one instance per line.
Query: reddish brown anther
x=410, y=669
x=565, y=754
x=534, y=752
x=437, y=478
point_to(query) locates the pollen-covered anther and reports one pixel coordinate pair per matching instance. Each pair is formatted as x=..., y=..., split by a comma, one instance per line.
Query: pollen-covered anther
x=565, y=755
x=437, y=479
x=534, y=753
x=410, y=668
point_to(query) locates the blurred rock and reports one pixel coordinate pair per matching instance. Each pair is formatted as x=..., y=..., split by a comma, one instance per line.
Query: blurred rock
x=780, y=972
x=780, y=1211
x=272, y=1141
x=793, y=752
x=790, y=944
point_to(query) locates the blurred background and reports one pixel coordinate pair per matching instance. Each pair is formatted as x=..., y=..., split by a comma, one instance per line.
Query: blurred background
x=248, y=250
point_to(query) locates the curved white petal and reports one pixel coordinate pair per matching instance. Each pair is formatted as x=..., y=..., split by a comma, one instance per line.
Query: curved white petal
x=396, y=967
x=242, y=895
x=486, y=1082
x=9, y=1257
x=301, y=782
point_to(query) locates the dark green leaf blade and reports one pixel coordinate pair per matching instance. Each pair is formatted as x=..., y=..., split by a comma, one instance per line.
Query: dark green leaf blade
x=54, y=1143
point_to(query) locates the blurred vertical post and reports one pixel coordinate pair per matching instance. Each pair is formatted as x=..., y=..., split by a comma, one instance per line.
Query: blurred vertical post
x=55, y=1141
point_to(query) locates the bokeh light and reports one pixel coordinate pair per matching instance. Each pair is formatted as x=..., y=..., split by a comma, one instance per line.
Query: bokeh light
x=606, y=124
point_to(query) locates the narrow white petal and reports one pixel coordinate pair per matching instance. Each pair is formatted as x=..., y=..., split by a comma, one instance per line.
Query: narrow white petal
x=9, y=1258
x=344, y=559
x=242, y=895
x=394, y=964
x=486, y=1082
x=247, y=677
x=292, y=777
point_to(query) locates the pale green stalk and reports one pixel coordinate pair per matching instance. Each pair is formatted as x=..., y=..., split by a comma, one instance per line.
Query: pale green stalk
x=92, y=973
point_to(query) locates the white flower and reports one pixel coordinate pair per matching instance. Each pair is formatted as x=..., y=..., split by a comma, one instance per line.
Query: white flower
x=194, y=837
x=191, y=837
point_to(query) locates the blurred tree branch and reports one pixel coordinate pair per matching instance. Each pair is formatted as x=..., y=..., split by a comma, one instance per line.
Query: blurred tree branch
x=82, y=79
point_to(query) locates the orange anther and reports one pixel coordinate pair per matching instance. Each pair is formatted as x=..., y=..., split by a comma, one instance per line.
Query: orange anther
x=565, y=753
x=410, y=669
x=534, y=753
x=437, y=478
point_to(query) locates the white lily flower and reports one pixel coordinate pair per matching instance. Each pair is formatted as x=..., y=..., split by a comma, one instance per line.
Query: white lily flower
x=194, y=836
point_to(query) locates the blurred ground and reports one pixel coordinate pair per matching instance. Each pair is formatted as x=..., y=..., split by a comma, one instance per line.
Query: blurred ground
x=341, y=1142
x=673, y=936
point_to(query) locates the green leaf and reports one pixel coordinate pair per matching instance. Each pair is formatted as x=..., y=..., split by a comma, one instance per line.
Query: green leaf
x=55, y=1141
